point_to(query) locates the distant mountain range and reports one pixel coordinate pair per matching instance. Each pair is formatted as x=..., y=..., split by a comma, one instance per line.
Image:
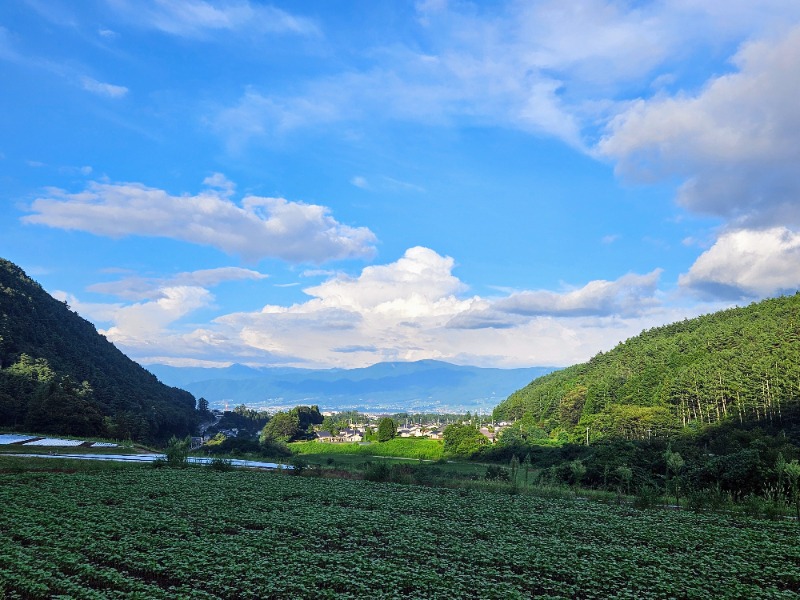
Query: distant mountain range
x=421, y=386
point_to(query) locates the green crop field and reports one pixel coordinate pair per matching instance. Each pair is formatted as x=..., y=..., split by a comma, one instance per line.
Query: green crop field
x=140, y=532
x=398, y=447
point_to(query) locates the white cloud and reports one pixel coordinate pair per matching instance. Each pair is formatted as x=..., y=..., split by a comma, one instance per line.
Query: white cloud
x=415, y=284
x=103, y=89
x=222, y=183
x=259, y=116
x=199, y=19
x=410, y=309
x=386, y=184
x=734, y=143
x=748, y=264
x=140, y=288
x=259, y=227
x=142, y=324
x=360, y=182
x=549, y=68
x=629, y=296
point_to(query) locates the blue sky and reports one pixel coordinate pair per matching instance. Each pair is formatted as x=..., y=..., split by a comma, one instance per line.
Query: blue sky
x=337, y=184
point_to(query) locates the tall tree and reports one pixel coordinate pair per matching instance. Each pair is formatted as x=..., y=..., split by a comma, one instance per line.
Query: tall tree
x=387, y=429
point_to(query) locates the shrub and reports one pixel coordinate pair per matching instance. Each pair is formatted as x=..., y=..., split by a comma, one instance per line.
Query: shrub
x=177, y=451
x=379, y=471
x=646, y=496
x=496, y=473
x=221, y=464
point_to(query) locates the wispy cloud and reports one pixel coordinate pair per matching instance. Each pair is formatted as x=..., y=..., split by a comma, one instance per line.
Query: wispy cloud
x=201, y=19
x=140, y=288
x=259, y=227
x=75, y=76
x=548, y=68
x=103, y=89
x=360, y=182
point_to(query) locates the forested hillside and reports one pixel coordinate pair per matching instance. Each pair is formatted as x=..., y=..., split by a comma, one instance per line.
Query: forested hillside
x=740, y=365
x=58, y=375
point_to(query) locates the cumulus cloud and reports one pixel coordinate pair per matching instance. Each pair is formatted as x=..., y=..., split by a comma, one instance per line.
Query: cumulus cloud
x=418, y=283
x=627, y=296
x=395, y=311
x=103, y=89
x=200, y=19
x=734, y=143
x=142, y=323
x=748, y=264
x=410, y=309
x=482, y=315
x=139, y=288
x=258, y=228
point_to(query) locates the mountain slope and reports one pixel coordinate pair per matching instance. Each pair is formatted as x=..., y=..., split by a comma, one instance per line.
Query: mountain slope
x=417, y=386
x=58, y=375
x=739, y=365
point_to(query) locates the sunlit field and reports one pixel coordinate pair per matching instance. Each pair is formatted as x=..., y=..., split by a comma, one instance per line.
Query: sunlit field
x=139, y=532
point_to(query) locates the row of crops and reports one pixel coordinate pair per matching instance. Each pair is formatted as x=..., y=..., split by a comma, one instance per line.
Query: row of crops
x=146, y=533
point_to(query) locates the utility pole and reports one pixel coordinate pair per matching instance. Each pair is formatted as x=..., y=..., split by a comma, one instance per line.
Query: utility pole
x=587, y=436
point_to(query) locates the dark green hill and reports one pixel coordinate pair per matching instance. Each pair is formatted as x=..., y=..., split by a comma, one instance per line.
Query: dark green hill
x=740, y=366
x=58, y=375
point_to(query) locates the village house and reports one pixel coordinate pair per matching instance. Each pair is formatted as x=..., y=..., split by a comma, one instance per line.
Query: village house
x=345, y=435
x=490, y=435
x=324, y=436
x=351, y=435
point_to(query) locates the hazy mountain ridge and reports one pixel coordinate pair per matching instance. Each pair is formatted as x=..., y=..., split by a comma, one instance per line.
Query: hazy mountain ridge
x=421, y=385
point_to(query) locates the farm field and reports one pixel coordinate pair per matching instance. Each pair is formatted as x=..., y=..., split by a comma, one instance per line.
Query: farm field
x=398, y=447
x=139, y=532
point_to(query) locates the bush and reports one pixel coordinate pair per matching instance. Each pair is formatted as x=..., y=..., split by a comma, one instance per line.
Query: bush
x=496, y=473
x=646, y=496
x=379, y=471
x=221, y=464
x=177, y=451
x=240, y=446
x=300, y=465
